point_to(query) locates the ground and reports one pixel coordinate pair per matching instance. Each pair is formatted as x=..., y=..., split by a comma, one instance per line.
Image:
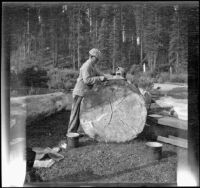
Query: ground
x=94, y=162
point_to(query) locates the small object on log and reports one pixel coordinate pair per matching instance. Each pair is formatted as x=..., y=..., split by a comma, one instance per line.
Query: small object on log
x=156, y=149
x=113, y=112
x=173, y=141
x=72, y=140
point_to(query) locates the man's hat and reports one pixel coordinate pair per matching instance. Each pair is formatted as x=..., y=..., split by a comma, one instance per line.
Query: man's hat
x=96, y=53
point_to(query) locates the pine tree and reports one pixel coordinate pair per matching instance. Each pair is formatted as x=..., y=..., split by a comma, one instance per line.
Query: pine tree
x=69, y=31
x=178, y=39
x=139, y=19
x=152, y=38
x=103, y=37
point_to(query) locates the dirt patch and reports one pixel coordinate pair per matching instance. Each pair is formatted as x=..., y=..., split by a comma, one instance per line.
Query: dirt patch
x=94, y=162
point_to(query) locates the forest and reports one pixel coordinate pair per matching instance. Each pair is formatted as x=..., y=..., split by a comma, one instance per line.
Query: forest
x=56, y=37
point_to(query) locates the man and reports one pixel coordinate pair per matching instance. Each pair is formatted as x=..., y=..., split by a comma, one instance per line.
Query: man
x=88, y=76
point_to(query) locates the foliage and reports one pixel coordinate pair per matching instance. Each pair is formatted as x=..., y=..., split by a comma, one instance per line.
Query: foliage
x=62, y=78
x=163, y=77
x=61, y=36
x=178, y=40
x=33, y=77
x=23, y=91
x=178, y=78
x=135, y=68
x=141, y=80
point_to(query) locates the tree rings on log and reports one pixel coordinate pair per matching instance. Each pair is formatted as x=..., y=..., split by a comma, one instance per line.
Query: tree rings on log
x=113, y=112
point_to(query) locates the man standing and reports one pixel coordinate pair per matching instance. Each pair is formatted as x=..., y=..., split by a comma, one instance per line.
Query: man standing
x=88, y=76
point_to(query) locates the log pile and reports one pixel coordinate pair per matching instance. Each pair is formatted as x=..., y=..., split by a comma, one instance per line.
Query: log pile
x=34, y=107
x=113, y=112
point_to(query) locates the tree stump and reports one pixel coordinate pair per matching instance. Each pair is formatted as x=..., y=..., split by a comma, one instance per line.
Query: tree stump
x=113, y=112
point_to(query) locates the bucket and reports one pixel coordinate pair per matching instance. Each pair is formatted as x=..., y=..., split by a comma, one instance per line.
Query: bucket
x=155, y=148
x=72, y=140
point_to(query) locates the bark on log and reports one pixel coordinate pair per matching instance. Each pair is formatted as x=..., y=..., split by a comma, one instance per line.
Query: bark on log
x=36, y=106
x=113, y=112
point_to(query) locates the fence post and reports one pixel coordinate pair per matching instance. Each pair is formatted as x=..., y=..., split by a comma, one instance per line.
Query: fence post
x=170, y=72
x=144, y=67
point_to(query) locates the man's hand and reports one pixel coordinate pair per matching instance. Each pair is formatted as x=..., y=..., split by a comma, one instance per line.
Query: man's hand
x=103, y=78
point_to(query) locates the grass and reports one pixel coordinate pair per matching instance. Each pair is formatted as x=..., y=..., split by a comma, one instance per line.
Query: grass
x=94, y=162
x=174, y=78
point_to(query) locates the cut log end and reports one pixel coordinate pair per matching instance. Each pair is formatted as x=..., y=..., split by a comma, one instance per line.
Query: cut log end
x=114, y=112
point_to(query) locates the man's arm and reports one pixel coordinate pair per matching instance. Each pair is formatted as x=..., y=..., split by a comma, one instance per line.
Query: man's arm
x=99, y=73
x=88, y=79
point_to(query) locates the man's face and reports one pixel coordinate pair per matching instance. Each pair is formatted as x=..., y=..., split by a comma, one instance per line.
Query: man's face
x=94, y=60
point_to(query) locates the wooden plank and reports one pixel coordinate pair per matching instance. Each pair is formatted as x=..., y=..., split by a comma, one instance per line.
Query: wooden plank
x=178, y=138
x=155, y=115
x=169, y=121
x=173, y=122
x=172, y=141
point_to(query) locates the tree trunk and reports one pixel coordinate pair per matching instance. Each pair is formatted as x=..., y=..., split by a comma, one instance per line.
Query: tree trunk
x=129, y=57
x=141, y=40
x=96, y=31
x=90, y=20
x=114, y=48
x=170, y=72
x=154, y=60
x=78, y=40
x=120, y=32
x=123, y=34
x=149, y=59
x=52, y=33
x=28, y=36
x=113, y=112
x=141, y=50
x=34, y=107
x=56, y=46
x=177, y=61
x=72, y=41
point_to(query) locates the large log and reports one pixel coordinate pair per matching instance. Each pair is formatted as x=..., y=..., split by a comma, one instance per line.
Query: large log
x=29, y=108
x=36, y=106
x=113, y=112
x=180, y=106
